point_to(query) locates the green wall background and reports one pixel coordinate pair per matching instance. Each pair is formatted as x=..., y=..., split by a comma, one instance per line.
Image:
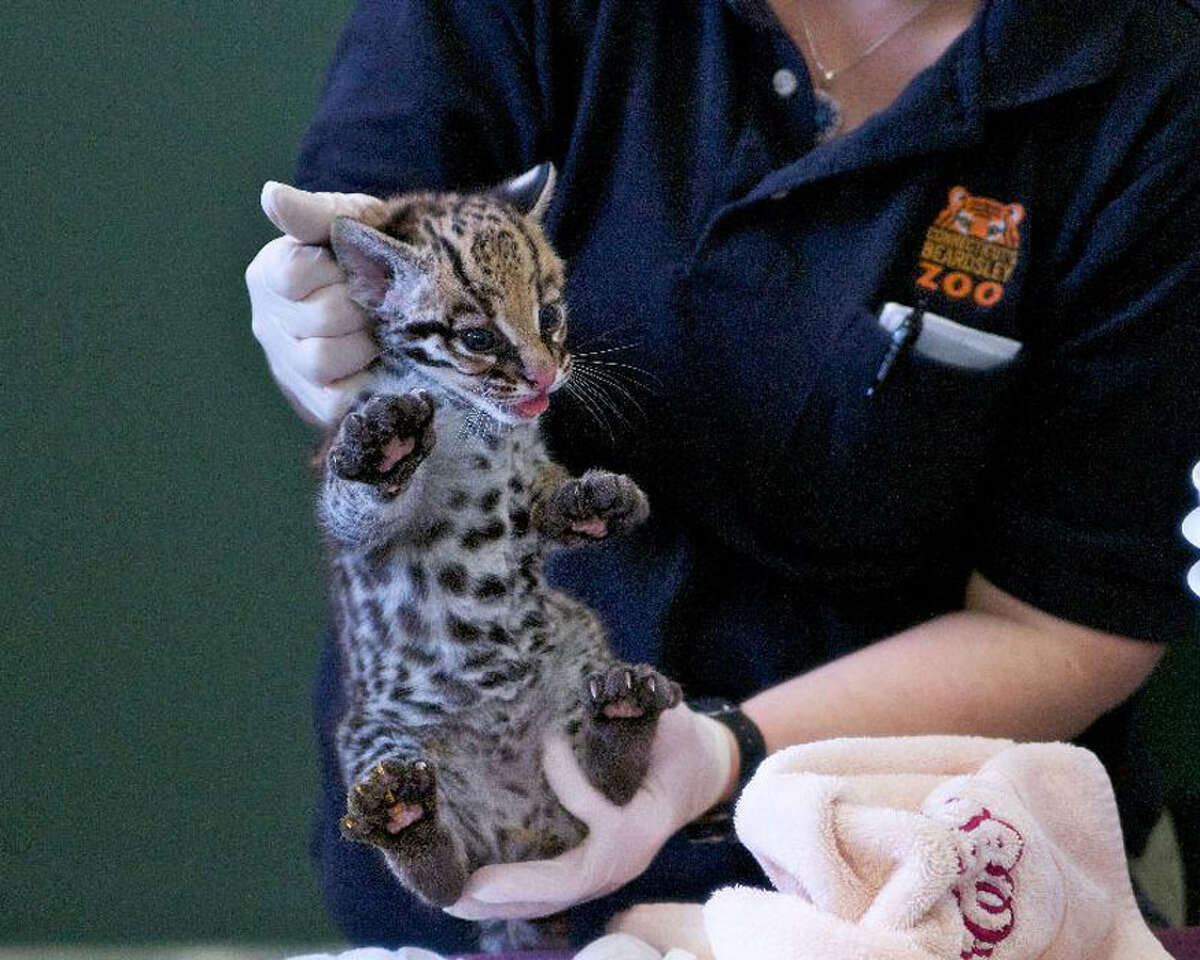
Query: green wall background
x=160, y=593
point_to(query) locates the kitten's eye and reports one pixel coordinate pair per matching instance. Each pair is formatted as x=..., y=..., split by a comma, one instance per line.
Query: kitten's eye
x=478, y=340
x=550, y=317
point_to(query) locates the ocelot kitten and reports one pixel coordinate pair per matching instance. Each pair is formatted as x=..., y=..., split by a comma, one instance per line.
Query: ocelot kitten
x=439, y=501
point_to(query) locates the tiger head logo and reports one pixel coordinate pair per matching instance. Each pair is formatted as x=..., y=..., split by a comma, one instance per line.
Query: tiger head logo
x=982, y=217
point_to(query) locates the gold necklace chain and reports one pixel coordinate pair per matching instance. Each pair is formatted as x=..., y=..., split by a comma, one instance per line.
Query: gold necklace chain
x=828, y=75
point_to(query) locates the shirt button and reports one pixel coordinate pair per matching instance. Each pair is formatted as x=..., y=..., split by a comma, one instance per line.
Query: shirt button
x=784, y=82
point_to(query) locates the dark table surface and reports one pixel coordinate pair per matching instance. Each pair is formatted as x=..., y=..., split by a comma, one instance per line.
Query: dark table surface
x=1182, y=943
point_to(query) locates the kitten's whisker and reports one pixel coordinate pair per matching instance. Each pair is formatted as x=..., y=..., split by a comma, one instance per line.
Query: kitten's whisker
x=599, y=392
x=599, y=353
x=575, y=389
x=601, y=399
x=628, y=370
x=627, y=383
x=466, y=429
x=477, y=423
x=603, y=335
x=599, y=378
x=575, y=393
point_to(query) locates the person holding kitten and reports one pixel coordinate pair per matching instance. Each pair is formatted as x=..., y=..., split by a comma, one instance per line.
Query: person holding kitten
x=896, y=299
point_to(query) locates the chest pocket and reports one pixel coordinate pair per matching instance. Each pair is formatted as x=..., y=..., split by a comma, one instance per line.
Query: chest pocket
x=880, y=488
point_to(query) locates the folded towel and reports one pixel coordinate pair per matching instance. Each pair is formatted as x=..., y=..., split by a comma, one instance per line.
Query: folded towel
x=923, y=848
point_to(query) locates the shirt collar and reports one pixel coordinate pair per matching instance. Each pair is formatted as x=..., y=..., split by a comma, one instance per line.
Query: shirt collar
x=1035, y=49
x=1023, y=51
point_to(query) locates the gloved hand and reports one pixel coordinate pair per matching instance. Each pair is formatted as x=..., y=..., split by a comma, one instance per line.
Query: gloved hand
x=316, y=339
x=375, y=953
x=692, y=763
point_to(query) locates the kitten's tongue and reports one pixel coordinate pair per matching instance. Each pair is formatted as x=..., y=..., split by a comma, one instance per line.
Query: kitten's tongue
x=533, y=406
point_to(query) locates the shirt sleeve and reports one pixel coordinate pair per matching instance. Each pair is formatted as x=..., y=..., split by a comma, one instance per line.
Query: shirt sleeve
x=427, y=94
x=1084, y=518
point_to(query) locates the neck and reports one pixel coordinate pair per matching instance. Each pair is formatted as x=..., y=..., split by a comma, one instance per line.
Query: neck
x=865, y=52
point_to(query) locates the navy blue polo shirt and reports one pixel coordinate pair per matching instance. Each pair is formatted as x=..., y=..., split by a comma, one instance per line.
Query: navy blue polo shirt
x=728, y=274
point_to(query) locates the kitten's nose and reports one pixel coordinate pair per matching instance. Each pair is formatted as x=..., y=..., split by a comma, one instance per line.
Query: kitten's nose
x=542, y=376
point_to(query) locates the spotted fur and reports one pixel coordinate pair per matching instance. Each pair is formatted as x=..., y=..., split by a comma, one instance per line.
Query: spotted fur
x=439, y=502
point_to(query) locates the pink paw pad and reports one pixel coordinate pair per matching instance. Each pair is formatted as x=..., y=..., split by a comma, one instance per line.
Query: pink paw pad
x=622, y=709
x=402, y=815
x=593, y=528
x=395, y=451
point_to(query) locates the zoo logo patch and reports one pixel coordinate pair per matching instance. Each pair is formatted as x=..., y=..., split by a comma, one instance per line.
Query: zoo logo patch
x=972, y=248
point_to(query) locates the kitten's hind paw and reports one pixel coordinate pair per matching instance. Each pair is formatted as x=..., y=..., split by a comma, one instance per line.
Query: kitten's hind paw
x=392, y=797
x=630, y=692
x=621, y=708
x=393, y=807
x=383, y=440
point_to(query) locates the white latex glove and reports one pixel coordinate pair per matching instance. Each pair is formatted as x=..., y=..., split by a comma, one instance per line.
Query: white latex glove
x=316, y=339
x=691, y=764
x=375, y=953
x=621, y=946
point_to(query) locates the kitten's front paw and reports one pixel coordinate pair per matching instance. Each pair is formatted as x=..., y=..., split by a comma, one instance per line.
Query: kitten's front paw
x=630, y=692
x=384, y=440
x=392, y=797
x=597, y=505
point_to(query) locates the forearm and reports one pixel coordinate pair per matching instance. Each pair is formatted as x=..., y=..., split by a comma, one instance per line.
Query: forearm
x=999, y=668
x=963, y=672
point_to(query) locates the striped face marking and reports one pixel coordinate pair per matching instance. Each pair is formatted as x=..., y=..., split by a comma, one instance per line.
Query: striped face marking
x=467, y=289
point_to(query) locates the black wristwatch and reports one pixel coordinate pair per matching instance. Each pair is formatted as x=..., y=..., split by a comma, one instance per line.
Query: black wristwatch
x=716, y=826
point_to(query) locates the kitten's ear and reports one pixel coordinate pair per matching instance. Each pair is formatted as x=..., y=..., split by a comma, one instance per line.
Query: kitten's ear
x=374, y=262
x=530, y=193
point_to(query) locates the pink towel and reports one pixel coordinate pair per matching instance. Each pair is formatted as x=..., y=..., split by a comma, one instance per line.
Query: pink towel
x=923, y=848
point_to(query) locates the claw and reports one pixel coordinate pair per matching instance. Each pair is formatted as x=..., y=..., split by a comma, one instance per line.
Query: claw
x=628, y=681
x=594, y=688
x=651, y=686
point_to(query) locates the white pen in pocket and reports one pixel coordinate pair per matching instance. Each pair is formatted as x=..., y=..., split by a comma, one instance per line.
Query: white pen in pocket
x=954, y=344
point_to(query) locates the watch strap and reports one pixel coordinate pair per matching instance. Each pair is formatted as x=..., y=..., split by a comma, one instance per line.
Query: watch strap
x=716, y=825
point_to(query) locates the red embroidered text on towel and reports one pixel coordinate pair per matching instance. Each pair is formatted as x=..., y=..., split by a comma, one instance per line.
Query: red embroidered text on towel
x=989, y=849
